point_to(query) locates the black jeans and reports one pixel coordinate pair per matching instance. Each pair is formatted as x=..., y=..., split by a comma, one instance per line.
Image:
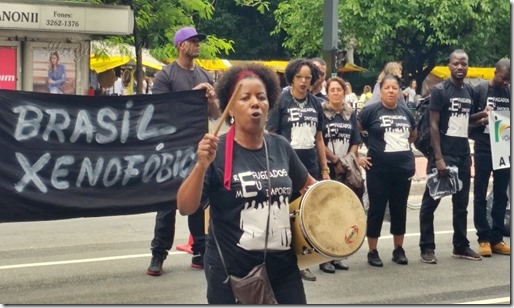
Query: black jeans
x=501, y=180
x=196, y=223
x=164, y=232
x=384, y=187
x=286, y=282
x=460, y=206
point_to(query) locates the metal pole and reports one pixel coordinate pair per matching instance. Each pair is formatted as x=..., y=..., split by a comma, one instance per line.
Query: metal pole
x=330, y=39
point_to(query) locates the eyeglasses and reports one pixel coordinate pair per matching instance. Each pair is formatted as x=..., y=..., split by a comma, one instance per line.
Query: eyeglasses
x=306, y=78
x=335, y=90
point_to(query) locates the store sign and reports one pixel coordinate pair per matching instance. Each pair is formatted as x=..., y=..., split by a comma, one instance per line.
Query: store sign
x=67, y=18
x=8, y=64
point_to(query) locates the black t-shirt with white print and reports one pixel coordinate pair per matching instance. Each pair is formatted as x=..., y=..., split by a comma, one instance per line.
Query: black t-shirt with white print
x=240, y=214
x=455, y=105
x=497, y=98
x=299, y=125
x=340, y=134
x=388, y=138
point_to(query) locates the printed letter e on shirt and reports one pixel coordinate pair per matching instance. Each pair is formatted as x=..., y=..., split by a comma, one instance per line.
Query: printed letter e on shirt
x=386, y=121
x=249, y=187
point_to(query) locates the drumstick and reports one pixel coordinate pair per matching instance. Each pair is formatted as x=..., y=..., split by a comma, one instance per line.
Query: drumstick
x=227, y=108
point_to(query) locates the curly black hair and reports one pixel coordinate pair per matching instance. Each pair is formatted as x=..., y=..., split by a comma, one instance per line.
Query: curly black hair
x=294, y=66
x=225, y=85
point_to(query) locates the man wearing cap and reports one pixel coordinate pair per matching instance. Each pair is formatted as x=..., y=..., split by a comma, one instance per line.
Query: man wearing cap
x=182, y=75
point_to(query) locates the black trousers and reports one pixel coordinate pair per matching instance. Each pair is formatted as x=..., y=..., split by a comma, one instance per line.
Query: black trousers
x=164, y=231
x=501, y=180
x=383, y=188
x=196, y=223
x=460, y=206
x=286, y=281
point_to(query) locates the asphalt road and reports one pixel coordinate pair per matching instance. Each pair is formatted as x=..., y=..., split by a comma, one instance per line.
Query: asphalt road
x=104, y=260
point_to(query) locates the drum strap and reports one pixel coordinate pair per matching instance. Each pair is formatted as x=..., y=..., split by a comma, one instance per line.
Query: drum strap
x=267, y=222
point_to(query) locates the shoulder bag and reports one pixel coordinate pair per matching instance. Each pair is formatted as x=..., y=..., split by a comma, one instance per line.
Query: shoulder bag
x=255, y=287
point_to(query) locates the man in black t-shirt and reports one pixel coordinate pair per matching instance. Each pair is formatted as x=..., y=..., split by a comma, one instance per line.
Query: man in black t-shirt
x=451, y=105
x=182, y=75
x=490, y=95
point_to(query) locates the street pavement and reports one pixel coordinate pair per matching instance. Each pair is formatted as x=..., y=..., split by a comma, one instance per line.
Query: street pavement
x=103, y=261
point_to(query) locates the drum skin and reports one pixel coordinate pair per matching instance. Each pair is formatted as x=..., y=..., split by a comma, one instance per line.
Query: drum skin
x=328, y=222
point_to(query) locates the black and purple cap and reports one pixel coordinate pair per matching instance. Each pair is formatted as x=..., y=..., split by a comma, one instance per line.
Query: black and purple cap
x=186, y=33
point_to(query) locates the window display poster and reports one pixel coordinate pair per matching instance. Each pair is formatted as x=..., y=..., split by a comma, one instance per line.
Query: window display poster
x=8, y=65
x=53, y=70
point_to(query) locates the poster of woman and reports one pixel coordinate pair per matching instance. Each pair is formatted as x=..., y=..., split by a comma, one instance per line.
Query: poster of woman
x=53, y=71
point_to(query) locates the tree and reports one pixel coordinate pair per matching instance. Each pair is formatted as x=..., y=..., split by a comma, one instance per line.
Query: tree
x=155, y=23
x=247, y=27
x=420, y=33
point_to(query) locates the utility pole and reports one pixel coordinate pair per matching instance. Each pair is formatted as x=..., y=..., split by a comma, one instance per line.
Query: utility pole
x=330, y=35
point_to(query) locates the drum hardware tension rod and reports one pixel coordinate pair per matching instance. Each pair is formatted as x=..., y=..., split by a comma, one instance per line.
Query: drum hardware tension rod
x=306, y=251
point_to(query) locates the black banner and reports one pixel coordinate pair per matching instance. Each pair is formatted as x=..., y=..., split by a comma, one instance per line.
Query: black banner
x=67, y=156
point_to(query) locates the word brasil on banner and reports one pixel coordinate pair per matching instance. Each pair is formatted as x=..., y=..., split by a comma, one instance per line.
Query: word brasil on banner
x=68, y=156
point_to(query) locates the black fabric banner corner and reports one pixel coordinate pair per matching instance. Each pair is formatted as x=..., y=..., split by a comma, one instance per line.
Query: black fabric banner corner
x=69, y=156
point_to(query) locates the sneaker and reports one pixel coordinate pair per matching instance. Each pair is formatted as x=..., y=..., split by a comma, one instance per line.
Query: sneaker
x=399, y=256
x=501, y=248
x=155, y=268
x=374, y=259
x=338, y=264
x=197, y=261
x=466, y=253
x=428, y=256
x=307, y=275
x=327, y=267
x=484, y=249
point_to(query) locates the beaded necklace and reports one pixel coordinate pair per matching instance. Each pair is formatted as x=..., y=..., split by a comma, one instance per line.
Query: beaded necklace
x=300, y=104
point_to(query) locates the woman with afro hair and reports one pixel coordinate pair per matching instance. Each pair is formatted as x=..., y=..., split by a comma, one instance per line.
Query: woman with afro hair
x=298, y=117
x=231, y=174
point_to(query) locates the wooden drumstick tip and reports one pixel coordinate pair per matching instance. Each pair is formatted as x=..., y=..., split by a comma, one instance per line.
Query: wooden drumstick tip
x=227, y=108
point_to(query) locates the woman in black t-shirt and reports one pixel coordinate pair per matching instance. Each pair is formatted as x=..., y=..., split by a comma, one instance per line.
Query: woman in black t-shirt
x=231, y=174
x=391, y=130
x=299, y=118
x=341, y=136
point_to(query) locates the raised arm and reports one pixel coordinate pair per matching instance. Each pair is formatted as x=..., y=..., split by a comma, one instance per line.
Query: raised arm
x=190, y=192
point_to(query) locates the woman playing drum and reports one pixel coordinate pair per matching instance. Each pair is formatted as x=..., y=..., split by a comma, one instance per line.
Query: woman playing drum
x=231, y=173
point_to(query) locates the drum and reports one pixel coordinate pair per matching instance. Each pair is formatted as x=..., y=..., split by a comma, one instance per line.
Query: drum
x=328, y=222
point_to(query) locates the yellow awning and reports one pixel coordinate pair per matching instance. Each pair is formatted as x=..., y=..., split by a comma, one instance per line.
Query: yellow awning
x=277, y=66
x=213, y=64
x=348, y=67
x=473, y=72
x=121, y=54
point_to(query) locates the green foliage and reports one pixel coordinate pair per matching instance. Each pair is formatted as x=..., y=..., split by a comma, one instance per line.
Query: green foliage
x=420, y=33
x=247, y=28
x=261, y=6
x=302, y=20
